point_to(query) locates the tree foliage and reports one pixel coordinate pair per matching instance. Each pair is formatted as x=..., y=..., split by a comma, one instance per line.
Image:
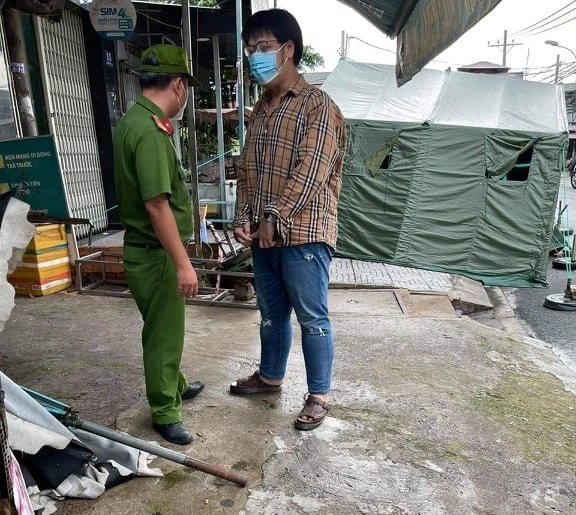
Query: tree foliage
x=311, y=59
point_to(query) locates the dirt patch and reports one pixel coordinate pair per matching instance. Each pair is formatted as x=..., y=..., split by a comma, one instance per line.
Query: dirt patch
x=78, y=350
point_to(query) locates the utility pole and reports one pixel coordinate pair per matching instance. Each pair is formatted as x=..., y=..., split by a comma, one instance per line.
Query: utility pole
x=505, y=47
x=20, y=71
x=343, y=44
x=557, y=73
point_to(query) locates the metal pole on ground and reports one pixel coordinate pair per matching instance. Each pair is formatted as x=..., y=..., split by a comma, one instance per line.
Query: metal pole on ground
x=157, y=450
x=70, y=418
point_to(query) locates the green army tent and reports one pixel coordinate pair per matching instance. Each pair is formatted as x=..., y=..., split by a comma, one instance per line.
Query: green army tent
x=453, y=172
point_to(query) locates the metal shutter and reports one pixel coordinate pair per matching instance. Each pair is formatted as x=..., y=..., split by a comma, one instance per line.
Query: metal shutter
x=67, y=87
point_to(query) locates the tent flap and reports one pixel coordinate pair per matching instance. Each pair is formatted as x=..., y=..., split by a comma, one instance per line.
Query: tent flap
x=502, y=152
x=375, y=161
x=431, y=28
x=424, y=28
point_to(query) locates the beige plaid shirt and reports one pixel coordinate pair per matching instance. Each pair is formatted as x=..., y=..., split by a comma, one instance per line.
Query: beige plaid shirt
x=291, y=166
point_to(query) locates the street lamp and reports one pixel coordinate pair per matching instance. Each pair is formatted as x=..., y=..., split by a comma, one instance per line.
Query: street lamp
x=551, y=42
x=555, y=43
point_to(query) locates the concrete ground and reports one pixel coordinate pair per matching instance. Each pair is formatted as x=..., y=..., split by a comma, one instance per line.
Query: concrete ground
x=431, y=413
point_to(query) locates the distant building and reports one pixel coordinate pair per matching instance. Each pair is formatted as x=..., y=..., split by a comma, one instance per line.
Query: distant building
x=490, y=69
x=570, y=96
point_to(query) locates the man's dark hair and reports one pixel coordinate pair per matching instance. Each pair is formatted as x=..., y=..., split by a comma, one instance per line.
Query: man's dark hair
x=278, y=22
x=156, y=80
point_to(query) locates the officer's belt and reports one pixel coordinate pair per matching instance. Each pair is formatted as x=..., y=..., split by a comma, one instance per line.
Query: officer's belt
x=148, y=246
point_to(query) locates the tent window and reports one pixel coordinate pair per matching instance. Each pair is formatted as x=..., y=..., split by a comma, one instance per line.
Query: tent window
x=521, y=168
x=382, y=159
x=386, y=163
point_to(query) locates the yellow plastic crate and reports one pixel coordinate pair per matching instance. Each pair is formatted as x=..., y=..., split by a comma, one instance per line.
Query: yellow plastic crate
x=45, y=256
x=47, y=288
x=41, y=272
x=47, y=236
x=45, y=266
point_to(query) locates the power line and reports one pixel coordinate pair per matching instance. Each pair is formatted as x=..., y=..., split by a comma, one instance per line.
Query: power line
x=554, y=77
x=373, y=46
x=533, y=31
x=393, y=52
x=535, y=70
x=567, y=73
x=550, y=73
x=550, y=28
x=547, y=69
x=525, y=29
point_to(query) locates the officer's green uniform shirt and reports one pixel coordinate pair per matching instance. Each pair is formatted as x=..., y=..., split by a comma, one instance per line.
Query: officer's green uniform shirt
x=145, y=166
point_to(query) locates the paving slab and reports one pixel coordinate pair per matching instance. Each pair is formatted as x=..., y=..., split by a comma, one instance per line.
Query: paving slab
x=467, y=296
x=366, y=303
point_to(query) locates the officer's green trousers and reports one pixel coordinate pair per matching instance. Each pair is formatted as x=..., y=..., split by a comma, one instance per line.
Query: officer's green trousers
x=151, y=276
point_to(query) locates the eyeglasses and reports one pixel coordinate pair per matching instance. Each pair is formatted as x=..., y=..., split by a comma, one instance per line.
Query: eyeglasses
x=260, y=46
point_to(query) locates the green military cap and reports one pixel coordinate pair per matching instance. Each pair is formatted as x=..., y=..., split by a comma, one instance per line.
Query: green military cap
x=169, y=59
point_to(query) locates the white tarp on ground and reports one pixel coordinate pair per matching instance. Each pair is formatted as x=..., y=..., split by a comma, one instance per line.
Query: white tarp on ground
x=15, y=234
x=369, y=92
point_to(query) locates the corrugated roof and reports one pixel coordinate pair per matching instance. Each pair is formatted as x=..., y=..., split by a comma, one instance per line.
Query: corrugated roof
x=483, y=65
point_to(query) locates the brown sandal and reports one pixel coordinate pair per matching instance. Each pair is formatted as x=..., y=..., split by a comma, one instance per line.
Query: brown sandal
x=253, y=384
x=313, y=413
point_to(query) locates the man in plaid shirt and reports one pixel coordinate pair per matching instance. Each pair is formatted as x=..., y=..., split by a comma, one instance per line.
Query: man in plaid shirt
x=288, y=188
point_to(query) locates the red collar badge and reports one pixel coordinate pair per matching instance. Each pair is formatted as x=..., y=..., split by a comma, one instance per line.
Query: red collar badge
x=164, y=125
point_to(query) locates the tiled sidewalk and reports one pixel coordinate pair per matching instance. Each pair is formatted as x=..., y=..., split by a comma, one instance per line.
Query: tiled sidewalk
x=362, y=274
x=348, y=273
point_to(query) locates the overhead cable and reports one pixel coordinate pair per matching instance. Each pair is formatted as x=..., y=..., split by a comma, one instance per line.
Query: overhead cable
x=525, y=29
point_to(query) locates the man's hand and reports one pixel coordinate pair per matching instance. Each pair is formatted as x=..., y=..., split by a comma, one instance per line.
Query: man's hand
x=166, y=229
x=242, y=234
x=266, y=235
x=187, y=281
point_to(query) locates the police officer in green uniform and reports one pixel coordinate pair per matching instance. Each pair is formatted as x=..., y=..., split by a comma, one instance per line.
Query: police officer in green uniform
x=156, y=210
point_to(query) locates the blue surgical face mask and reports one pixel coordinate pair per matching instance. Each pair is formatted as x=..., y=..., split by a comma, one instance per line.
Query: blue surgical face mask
x=264, y=67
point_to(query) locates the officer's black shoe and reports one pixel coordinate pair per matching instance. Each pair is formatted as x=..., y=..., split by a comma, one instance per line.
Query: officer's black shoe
x=193, y=389
x=175, y=433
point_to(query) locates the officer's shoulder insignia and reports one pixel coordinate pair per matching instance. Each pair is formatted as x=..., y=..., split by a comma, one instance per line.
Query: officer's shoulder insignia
x=164, y=125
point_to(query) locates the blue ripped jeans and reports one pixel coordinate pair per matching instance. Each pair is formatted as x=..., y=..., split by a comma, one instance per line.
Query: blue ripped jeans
x=295, y=278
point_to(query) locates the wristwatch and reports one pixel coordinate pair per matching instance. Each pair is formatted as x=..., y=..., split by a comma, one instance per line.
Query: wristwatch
x=271, y=219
